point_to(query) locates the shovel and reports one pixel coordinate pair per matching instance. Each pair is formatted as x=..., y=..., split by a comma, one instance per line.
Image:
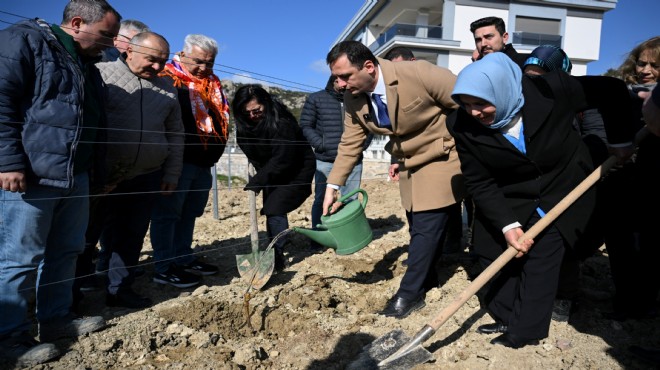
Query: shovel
x=395, y=350
x=255, y=268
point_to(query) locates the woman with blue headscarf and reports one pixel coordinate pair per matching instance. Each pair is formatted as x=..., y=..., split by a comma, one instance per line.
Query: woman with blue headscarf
x=520, y=155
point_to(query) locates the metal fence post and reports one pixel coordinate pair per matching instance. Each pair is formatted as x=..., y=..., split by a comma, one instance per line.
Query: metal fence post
x=214, y=184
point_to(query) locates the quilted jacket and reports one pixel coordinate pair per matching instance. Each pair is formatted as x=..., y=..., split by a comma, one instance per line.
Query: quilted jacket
x=41, y=94
x=322, y=122
x=145, y=132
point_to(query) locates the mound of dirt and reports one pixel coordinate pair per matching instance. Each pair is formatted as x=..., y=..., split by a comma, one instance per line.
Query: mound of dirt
x=321, y=311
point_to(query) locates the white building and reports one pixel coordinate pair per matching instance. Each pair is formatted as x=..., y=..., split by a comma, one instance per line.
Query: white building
x=439, y=31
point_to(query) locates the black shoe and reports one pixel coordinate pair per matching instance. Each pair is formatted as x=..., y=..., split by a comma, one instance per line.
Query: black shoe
x=400, y=307
x=69, y=326
x=127, y=298
x=651, y=356
x=177, y=277
x=509, y=340
x=24, y=351
x=281, y=262
x=494, y=328
x=200, y=268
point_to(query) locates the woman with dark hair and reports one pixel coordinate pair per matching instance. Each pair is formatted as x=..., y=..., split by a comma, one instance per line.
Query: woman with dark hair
x=520, y=155
x=273, y=142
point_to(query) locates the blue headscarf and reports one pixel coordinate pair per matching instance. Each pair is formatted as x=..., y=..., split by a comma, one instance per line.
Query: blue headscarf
x=496, y=79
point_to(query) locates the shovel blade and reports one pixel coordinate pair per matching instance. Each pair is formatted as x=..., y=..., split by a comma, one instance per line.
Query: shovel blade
x=256, y=268
x=386, y=345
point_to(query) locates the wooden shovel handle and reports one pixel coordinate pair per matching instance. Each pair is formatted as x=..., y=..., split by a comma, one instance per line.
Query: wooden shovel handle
x=511, y=252
x=252, y=203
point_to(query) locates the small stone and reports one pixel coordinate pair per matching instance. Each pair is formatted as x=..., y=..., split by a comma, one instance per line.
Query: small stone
x=200, y=291
x=200, y=340
x=162, y=358
x=564, y=344
x=173, y=329
x=548, y=347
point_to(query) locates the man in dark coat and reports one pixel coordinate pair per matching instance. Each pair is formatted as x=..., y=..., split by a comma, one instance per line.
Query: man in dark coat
x=50, y=110
x=490, y=36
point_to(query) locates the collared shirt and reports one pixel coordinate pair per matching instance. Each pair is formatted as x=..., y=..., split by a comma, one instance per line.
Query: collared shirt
x=380, y=90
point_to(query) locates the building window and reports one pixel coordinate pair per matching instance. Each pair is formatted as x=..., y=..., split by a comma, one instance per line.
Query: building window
x=537, y=31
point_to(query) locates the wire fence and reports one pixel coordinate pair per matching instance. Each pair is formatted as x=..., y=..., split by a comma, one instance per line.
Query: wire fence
x=232, y=164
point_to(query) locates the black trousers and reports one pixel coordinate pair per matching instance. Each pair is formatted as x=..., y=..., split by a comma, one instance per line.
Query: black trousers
x=125, y=226
x=522, y=294
x=427, y=232
x=275, y=224
x=632, y=239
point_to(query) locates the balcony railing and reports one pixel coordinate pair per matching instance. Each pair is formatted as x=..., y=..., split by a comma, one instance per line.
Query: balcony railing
x=412, y=30
x=531, y=38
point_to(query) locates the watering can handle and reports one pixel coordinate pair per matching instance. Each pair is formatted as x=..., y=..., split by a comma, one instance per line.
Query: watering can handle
x=365, y=198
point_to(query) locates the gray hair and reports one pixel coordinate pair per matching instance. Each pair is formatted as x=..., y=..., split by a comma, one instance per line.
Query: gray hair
x=129, y=25
x=203, y=42
x=91, y=11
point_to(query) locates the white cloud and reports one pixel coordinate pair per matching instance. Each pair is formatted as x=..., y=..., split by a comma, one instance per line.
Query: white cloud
x=245, y=78
x=319, y=65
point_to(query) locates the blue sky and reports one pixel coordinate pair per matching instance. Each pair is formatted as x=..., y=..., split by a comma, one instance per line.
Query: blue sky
x=289, y=39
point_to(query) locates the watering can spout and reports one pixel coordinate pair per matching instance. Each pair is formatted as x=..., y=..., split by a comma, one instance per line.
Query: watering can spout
x=321, y=235
x=347, y=230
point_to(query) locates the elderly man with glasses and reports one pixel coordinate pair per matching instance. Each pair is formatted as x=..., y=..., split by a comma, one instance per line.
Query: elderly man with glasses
x=127, y=29
x=205, y=115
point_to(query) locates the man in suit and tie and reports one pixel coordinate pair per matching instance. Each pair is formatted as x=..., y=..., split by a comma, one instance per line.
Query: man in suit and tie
x=408, y=102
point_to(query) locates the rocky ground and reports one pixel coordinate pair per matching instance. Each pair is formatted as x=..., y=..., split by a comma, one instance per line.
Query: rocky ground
x=321, y=311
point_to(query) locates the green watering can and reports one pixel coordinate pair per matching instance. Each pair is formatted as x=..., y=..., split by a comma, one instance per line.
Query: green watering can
x=347, y=230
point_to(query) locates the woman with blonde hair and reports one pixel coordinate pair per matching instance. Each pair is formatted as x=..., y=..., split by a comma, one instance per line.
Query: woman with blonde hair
x=642, y=66
x=630, y=232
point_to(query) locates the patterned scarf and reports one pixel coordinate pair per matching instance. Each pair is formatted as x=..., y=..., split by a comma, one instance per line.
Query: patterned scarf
x=204, y=94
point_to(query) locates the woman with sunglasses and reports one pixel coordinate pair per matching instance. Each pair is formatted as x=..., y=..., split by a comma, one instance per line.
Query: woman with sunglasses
x=273, y=142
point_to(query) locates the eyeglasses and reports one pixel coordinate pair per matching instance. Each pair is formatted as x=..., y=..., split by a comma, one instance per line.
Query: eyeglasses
x=124, y=36
x=642, y=64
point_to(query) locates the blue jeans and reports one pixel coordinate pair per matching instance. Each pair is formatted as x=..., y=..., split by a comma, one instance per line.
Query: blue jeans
x=173, y=217
x=320, y=181
x=42, y=231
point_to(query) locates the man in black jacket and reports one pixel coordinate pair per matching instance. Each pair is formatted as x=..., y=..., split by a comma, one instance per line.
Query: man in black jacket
x=490, y=36
x=322, y=122
x=50, y=114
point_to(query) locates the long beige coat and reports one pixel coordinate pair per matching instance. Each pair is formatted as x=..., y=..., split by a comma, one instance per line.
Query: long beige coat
x=418, y=102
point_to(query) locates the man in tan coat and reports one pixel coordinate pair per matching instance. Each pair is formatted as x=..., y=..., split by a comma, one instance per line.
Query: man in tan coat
x=409, y=102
